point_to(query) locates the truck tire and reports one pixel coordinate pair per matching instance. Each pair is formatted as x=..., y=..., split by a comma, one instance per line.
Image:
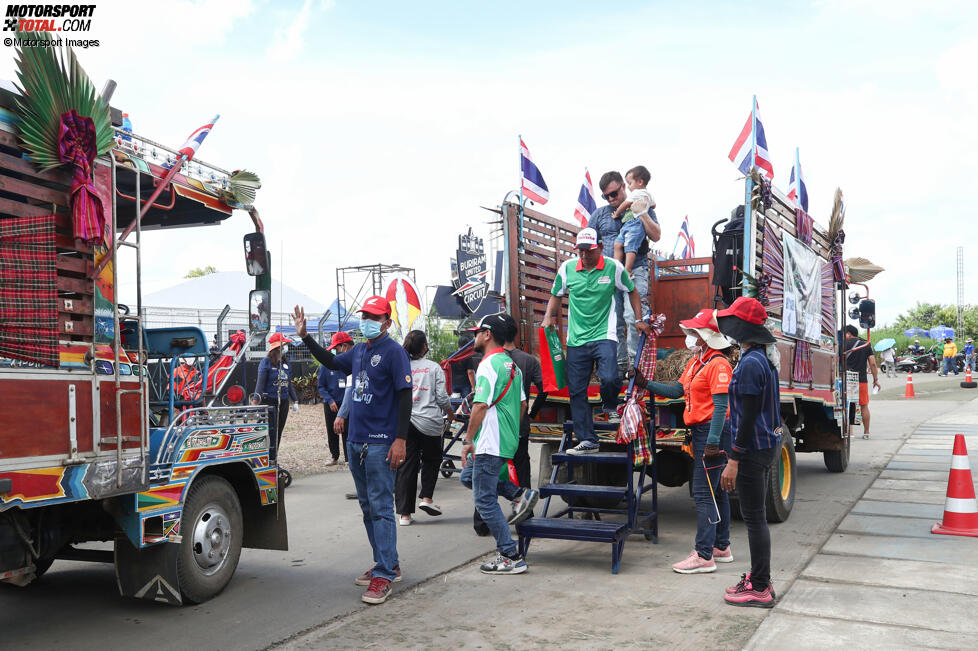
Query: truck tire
x=781, y=485
x=212, y=529
x=838, y=460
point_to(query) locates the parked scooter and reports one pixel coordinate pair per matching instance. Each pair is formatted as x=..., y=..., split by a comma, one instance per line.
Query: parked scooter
x=925, y=363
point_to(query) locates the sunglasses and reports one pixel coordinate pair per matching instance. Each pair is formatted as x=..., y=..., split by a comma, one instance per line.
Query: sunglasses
x=610, y=195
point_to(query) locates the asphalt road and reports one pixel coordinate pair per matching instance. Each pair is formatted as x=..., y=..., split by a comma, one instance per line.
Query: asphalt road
x=276, y=596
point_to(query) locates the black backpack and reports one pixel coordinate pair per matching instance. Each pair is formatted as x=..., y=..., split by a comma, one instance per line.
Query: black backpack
x=728, y=251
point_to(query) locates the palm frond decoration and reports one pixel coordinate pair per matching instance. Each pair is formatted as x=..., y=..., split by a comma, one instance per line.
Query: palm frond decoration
x=52, y=83
x=242, y=187
x=837, y=220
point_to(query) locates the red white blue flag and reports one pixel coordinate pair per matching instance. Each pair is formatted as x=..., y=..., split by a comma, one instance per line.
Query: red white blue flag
x=796, y=183
x=689, y=246
x=534, y=186
x=585, y=200
x=193, y=142
x=752, y=139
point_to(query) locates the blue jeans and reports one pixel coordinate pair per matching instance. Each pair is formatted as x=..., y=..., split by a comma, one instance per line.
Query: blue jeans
x=631, y=235
x=485, y=488
x=627, y=334
x=709, y=535
x=581, y=361
x=506, y=488
x=950, y=365
x=374, y=480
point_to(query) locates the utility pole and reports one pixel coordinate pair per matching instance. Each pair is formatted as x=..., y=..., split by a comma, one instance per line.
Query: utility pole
x=960, y=324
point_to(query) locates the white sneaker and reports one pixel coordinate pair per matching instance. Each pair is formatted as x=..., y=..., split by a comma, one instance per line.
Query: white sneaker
x=404, y=520
x=585, y=447
x=430, y=508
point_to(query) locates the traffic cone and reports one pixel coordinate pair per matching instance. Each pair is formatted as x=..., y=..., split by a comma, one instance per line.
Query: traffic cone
x=909, y=392
x=968, y=383
x=961, y=507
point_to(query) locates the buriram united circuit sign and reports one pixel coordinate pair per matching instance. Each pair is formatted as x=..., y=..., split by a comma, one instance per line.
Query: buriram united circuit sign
x=470, y=260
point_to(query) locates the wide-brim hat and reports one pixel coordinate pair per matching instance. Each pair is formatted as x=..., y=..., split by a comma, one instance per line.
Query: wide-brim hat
x=704, y=325
x=276, y=340
x=744, y=321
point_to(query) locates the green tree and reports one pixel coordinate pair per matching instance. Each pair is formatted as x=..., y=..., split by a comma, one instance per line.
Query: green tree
x=201, y=271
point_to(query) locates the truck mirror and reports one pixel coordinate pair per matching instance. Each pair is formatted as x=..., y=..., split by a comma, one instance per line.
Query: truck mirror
x=867, y=313
x=260, y=316
x=256, y=257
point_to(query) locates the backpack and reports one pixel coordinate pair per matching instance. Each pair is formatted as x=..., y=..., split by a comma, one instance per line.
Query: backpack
x=728, y=250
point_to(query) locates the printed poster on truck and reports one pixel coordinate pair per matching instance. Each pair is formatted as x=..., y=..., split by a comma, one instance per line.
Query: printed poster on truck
x=472, y=271
x=802, y=313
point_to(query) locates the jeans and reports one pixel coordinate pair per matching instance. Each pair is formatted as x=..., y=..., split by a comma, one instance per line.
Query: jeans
x=485, y=487
x=708, y=534
x=950, y=365
x=640, y=276
x=423, y=452
x=969, y=361
x=580, y=362
x=631, y=235
x=374, y=480
x=752, y=479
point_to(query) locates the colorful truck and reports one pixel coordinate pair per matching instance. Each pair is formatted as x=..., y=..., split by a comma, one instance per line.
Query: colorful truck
x=815, y=389
x=110, y=431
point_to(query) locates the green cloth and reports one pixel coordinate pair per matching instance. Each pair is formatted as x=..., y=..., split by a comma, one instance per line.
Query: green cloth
x=499, y=434
x=591, y=311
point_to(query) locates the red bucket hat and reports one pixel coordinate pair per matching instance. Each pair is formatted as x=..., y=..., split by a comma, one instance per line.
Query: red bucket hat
x=276, y=340
x=703, y=325
x=376, y=305
x=339, y=338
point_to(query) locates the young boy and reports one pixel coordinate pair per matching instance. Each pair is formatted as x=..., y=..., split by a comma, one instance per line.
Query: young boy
x=639, y=202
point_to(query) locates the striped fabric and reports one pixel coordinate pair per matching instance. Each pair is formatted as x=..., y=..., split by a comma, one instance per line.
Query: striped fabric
x=635, y=423
x=802, y=367
x=28, y=290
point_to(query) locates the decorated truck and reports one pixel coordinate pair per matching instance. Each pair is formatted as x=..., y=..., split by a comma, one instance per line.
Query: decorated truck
x=774, y=252
x=111, y=431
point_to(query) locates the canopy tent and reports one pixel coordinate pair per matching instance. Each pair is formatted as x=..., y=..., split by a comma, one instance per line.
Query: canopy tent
x=916, y=332
x=231, y=288
x=941, y=332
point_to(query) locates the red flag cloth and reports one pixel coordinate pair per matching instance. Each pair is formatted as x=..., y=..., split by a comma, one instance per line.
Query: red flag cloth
x=551, y=360
x=28, y=290
x=459, y=355
x=76, y=145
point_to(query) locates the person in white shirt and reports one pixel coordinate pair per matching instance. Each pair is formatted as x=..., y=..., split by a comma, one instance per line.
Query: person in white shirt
x=639, y=202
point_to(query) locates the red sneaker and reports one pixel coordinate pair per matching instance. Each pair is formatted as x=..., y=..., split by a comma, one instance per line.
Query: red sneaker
x=364, y=579
x=749, y=597
x=745, y=581
x=378, y=591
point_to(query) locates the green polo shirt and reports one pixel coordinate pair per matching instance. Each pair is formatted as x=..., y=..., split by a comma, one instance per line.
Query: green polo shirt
x=592, y=298
x=500, y=431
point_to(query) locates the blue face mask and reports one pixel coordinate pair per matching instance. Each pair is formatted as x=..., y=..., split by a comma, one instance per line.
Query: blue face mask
x=370, y=329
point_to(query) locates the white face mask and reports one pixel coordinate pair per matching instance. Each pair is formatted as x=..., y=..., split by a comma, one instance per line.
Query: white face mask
x=691, y=343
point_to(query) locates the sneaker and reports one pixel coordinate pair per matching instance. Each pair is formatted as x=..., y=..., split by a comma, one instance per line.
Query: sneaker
x=694, y=564
x=614, y=418
x=865, y=437
x=404, y=520
x=504, y=565
x=378, y=591
x=585, y=447
x=746, y=596
x=366, y=577
x=430, y=508
x=745, y=581
x=523, y=506
x=722, y=555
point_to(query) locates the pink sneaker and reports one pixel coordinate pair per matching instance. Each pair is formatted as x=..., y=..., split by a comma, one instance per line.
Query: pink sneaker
x=745, y=583
x=722, y=555
x=694, y=564
x=748, y=597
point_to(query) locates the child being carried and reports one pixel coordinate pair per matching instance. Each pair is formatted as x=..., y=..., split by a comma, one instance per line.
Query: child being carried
x=638, y=203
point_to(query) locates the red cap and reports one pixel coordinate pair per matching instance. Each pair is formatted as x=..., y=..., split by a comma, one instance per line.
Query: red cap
x=376, y=305
x=339, y=338
x=703, y=319
x=276, y=340
x=747, y=309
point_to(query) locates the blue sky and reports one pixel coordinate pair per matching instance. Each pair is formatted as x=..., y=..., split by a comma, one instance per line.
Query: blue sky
x=380, y=128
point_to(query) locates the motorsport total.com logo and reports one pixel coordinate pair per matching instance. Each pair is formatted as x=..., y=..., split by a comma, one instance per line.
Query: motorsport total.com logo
x=49, y=20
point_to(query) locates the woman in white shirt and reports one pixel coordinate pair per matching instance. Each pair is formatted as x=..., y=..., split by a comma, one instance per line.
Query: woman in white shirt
x=424, y=439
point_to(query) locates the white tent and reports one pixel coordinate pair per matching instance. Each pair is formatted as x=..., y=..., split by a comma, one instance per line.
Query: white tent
x=216, y=290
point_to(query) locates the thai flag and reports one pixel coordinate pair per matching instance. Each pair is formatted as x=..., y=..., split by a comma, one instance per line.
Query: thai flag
x=689, y=246
x=752, y=136
x=798, y=192
x=193, y=142
x=533, y=184
x=585, y=200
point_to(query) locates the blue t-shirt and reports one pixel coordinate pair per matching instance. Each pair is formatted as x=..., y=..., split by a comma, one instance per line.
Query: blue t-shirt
x=379, y=370
x=608, y=228
x=754, y=376
x=275, y=382
x=331, y=385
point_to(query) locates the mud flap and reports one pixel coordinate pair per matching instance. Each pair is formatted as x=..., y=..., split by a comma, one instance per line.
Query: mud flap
x=266, y=526
x=149, y=573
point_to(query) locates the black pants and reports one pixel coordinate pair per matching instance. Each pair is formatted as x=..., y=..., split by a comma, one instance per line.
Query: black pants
x=421, y=452
x=281, y=415
x=521, y=460
x=752, y=483
x=332, y=438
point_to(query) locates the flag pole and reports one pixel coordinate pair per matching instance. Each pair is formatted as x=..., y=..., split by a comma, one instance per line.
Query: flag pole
x=519, y=228
x=797, y=179
x=749, y=186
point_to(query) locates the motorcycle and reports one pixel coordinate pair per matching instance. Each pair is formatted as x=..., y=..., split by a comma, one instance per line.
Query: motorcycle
x=923, y=363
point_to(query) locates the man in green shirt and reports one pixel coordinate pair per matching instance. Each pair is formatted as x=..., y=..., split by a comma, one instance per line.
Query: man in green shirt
x=493, y=434
x=590, y=282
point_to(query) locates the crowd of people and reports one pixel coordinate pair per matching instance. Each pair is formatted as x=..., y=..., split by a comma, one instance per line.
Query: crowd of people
x=391, y=404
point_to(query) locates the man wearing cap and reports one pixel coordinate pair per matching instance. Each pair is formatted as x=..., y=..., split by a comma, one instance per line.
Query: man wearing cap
x=590, y=282
x=332, y=386
x=755, y=416
x=376, y=432
x=493, y=435
x=607, y=226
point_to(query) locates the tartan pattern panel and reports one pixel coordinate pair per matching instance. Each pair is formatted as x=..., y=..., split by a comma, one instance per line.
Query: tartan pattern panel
x=28, y=290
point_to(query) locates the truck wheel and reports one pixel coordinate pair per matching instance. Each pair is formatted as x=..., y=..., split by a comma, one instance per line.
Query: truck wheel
x=838, y=460
x=212, y=532
x=781, y=485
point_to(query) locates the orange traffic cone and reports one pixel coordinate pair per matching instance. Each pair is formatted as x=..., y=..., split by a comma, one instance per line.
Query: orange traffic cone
x=909, y=392
x=961, y=507
x=968, y=383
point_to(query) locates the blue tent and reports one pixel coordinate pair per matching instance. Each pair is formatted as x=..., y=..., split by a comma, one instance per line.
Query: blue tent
x=916, y=332
x=941, y=332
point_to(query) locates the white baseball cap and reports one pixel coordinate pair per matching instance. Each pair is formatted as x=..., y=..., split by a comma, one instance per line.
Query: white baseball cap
x=587, y=238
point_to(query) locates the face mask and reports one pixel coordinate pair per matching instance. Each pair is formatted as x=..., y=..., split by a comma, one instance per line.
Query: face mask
x=691, y=343
x=370, y=329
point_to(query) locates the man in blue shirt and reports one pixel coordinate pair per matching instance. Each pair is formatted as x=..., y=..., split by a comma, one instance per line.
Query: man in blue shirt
x=613, y=191
x=377, y=429
x=332, y=386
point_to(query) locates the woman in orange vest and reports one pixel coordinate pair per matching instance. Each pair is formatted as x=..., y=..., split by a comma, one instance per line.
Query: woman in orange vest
x=704, y=384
